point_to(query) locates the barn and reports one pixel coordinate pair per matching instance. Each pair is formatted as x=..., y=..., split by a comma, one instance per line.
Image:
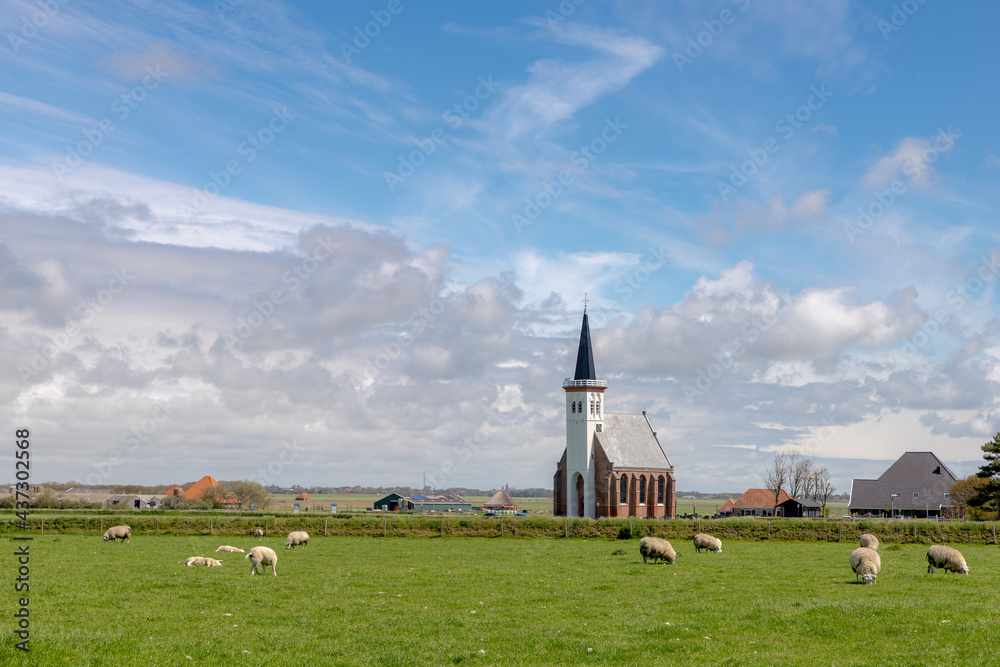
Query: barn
x=418, y=502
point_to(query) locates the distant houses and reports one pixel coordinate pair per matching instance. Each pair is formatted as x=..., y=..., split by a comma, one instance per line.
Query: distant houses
x=759, y=502
x=917, y=485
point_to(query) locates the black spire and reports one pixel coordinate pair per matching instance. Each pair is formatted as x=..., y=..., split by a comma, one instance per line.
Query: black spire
x=585, y=354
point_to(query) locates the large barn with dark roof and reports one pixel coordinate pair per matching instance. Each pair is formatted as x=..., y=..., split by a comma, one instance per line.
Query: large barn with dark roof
x=918, y=484
x=613, y=464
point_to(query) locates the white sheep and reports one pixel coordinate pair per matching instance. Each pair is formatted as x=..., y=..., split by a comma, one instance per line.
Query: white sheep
x=227, y=548
x=201, y=560
x=263, y=555
x=946, y=557
x=124, y=533
x=258, y=533
x=865, y=563
x=707, y=542
x=656, y=548
x=870, y=541
x=297, y=537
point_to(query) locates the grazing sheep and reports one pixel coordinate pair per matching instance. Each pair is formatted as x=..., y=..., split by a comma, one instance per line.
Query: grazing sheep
x=656, y=548
x=950, y=559
x=263, y=555
x=118, y=532
x=870, y=541
x=258, y=533
x=707, y=542
x=866, y=564
x=201, y=560
x=297, y=537
x=225, y=548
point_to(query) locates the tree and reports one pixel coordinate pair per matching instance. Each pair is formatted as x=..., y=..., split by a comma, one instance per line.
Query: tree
x=129, y=489
x=214, y=496
x=776, y=476
x=822, y=486
x=800, y=473
x=989, y=492
x=965, y=490
x=251, y=493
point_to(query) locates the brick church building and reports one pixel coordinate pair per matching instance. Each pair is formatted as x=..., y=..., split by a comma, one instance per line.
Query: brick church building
x=613, y=464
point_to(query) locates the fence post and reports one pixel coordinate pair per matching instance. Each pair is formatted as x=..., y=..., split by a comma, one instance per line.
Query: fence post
x=566, y=528
x=265, y=527
x=442, y=527
x=324, y=527
x=211, y=526
x=630, y=528
x=384, y=521
x=43, y=526
x=157, y=526
x=768, y=530
x=501, y=527
x=840, y=530
x=914, y=532
x=994, y=533
x=102, y=526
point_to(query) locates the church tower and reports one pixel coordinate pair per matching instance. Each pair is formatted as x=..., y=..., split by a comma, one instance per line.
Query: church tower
x=584, y=419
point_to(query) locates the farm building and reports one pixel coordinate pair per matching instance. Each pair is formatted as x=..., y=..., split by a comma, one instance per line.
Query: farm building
x=86, y=495
x=132, y=501
x=302, y=496
x=800, y=508
x=759, y=502
x=174, y=490
x=442, y=502
x=501, y=503
x=918, y=484
x=613, y=464
x=727, y=508
x=194, y=492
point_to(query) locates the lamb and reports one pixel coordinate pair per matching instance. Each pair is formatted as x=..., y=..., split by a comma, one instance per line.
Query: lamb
x=118, y=532
x=201, y=560
x=263, y=555
x=946, y=557
x=707, y=542
x=656, y=548
x=226, y=548
x=258, y=533
x=866, y=564
x=870, y=541
x=297, y=537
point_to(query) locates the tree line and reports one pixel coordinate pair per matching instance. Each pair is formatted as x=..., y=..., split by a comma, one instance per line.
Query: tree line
x=800, y=477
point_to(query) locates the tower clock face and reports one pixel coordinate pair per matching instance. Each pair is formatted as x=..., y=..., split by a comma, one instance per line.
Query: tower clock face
x=598, y=428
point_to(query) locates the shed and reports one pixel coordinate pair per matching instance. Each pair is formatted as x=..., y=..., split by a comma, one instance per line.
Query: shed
x=302, y=496
x=801, y=508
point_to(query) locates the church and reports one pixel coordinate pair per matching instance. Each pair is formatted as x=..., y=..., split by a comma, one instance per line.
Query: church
x=613, y=464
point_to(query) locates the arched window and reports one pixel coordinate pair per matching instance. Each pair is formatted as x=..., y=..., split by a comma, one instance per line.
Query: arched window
x=598, y=407
x=660, y=484
x=624, y=491
x=574, y=407
x=591, y=406
x=642, y=490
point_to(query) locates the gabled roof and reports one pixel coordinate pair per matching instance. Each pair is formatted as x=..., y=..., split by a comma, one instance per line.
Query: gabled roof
x=762, y=498
x=500, y=499
x=727, y=506
x=193, y=492
x=628, y=442
x=805, y=502
x=302, y=496
x=922, y=473
x=585, y=354
x=174, y=490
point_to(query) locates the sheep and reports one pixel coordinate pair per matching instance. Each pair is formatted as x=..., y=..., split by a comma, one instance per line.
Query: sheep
x=263, y=555
x=226, y=548
x=870, y=541
x=946, y=557
x=201, y=560
x=656, y=548
x=866, y=564
x=118, y=532
x=707, y=542
x=258, y=533
x=297, y=537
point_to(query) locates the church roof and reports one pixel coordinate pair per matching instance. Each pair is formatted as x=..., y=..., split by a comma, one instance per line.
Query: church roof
x=629, y=442
x=585, y=354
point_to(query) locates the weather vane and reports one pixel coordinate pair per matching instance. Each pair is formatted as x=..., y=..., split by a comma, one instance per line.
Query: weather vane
x=584, y=302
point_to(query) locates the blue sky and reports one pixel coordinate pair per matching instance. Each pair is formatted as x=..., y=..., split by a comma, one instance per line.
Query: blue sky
x=783, y=214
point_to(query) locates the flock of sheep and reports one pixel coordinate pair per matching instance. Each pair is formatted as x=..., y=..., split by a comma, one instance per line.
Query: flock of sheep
x=865, y=561
x=263, y=556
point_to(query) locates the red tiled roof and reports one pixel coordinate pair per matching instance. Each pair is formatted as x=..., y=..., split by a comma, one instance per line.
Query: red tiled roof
x=727, y=506
x=302, y=496
x=194, y=491
x=763, y=498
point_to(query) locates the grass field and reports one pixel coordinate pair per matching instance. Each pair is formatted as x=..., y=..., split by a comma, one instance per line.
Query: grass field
x=372, y=601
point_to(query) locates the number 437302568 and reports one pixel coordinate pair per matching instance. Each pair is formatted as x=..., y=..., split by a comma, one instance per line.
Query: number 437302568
x=23, y=473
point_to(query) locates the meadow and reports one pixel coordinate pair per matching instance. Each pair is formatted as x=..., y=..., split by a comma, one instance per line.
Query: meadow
x=495, y=601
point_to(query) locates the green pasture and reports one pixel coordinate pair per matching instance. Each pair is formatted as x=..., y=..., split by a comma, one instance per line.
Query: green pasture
x=357, y=502
x=374, y=601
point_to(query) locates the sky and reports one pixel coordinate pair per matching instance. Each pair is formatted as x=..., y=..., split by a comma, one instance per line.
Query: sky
x=349, y=243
